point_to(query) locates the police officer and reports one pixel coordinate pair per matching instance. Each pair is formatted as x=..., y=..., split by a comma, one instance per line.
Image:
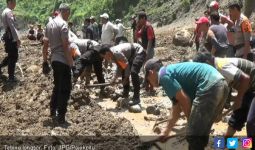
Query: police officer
x=129, y=58
x=56, y=36
x=90, y=57
x=11, y=39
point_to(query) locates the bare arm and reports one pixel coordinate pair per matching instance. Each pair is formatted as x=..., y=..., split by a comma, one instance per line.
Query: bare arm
x=184, y=102
x=173, y=118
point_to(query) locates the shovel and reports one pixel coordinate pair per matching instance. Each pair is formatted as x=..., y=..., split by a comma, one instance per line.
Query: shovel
x=101, y=84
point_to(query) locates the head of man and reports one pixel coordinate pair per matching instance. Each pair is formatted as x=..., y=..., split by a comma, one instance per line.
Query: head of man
x=142, y=18
x=39, y=26
x=204, y=57
x=105, y=52
x=64, y=11
x=11, y=4
x=234, y=8
x=213, y=7
x=92, y=19
x=152, y=67
x=86, y=21
x=118, y=21
x=203, y=24
x=215, y=17
x=70, y=24
x=104, y=18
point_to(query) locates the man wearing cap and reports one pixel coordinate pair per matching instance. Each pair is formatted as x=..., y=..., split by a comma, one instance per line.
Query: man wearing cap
x=241, y=30
x=146, y=33
x=208, y=38
x=121, y=29
x=240, y=74
x=109, y=30
x=95, y=28
x=56, y=36
x=197, y=89
x=129, y=59
x=11, y=40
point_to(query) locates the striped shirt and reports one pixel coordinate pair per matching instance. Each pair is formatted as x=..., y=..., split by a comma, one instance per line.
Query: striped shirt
x=232, y=68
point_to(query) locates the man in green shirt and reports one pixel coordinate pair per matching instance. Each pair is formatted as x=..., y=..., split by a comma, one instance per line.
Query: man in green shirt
x=198, y=90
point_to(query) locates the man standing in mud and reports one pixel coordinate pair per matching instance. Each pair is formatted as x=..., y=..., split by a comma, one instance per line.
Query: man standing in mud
x=56, y=36
x=11, y=39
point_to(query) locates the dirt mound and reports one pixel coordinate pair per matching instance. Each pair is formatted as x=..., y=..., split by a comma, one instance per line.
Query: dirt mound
x=24, y=108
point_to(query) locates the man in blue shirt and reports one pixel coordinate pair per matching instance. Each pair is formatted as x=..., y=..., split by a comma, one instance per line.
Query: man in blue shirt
x=198, y=90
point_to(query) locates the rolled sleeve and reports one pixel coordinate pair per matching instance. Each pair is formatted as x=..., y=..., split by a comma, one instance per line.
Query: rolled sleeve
x=247, y=29
x=231, y=73
x=171, y=86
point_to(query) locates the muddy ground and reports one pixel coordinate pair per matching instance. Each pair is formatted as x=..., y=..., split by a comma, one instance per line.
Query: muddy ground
x=24, y=108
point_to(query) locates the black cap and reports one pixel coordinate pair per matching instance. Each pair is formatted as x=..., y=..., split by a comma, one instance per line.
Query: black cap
x=102, y=49
x=151, y=64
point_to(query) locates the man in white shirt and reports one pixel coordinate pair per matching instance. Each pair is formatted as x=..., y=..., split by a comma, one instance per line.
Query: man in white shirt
x=109, y=30
x=11, y=40
x=121, y=29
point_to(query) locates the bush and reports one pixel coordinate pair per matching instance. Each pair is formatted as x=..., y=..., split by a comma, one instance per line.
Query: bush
x=186, y=5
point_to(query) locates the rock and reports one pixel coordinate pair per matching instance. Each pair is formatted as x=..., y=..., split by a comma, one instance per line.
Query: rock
x=155, y=110
x=135, y=108
x=150, y=118
x=157, y=130
x=182, y=38
x=150, y=109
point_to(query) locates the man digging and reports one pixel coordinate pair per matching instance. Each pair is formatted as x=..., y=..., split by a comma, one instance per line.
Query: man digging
x=198, y=90
x=129, y=59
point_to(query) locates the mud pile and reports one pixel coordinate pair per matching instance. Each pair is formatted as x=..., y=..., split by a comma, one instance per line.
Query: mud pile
x=24, y=108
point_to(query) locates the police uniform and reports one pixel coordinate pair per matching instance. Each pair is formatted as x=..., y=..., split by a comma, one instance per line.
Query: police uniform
x=10, y=38
x=56, y=30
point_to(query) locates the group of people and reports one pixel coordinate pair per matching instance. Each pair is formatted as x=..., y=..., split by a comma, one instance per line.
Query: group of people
x=200, y=88
x=72, y=54
x=35, y=34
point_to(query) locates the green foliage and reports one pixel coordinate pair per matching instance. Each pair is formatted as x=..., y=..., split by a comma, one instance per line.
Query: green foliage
x=32, y=11
x=186, y=5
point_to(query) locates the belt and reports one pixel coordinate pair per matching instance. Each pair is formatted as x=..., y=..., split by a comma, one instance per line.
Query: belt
x=133, y=50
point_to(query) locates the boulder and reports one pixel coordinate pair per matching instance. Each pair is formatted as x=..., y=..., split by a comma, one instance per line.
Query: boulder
x=182, y=38
x=155, y=110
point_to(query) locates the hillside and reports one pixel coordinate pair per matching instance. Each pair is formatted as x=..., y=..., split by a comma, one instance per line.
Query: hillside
x=161, y=11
